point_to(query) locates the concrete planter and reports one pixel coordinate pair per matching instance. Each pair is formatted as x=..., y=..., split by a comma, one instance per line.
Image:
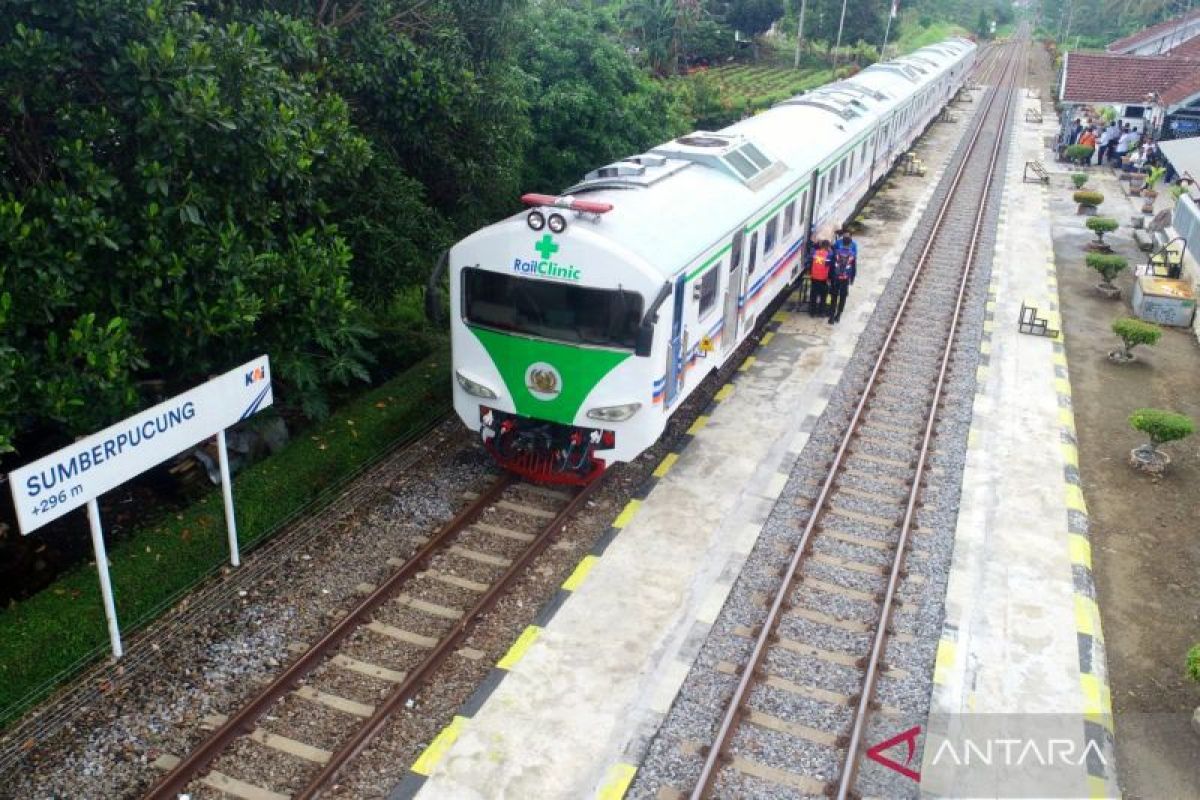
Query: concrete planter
x=1120, y=357
x=1086, y=211
x=1147, y=459
x=1109, y=291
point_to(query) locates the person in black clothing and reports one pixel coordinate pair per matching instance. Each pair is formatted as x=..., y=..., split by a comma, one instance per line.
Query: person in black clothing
x=842, y=272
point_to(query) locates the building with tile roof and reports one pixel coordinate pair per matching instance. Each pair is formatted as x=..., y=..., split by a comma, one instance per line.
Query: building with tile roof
x=1160, y=39
x=1161, y=92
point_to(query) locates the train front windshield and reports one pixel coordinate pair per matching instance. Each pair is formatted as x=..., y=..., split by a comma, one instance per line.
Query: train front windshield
x=550, y=310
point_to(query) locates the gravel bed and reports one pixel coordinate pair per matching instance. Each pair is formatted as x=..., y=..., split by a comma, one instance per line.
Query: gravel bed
x=699, y=705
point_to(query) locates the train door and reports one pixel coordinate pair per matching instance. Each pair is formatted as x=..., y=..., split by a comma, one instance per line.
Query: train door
x=675, y=353
x=733, y=294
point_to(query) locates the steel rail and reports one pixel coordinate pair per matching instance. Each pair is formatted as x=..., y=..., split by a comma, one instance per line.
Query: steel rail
x=175, y=780
x=415, y=679
x=873, y=666
x=736, y=706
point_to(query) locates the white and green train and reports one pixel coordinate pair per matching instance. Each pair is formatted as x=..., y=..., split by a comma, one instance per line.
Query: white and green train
x=579, y=326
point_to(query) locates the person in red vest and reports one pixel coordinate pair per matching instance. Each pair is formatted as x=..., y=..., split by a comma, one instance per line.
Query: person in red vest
x=819, y=277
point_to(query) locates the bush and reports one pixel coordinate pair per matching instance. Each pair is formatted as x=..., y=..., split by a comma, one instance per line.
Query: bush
x=1193, y=663
x=1108, y=265
x=1080, y=154
x=1079, y=179
x=1161, y=426
x=1088, y=198
x=1101, y=226
x=1134, y=332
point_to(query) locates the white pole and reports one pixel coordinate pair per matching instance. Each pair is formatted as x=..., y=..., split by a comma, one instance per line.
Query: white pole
x=227, y=492
x=110, y=608
x=886, y=32
x=800, y=31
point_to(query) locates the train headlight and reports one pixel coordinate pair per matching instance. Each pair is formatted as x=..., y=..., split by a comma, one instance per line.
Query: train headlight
x=536, y=220
x=614, y=413
x=471, y=387
x=558, y=223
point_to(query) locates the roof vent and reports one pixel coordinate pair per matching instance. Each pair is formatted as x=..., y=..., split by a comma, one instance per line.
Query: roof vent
x=647, y=160
x=701, y=140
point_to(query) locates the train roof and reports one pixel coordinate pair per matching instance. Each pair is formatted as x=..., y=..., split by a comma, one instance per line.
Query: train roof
x=673, y=203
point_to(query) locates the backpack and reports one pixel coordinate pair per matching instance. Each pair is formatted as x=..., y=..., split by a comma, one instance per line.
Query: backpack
x=842, y=269
x=820, y=265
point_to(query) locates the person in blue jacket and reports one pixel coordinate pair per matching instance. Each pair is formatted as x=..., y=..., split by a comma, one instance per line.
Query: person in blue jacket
x=841, y=274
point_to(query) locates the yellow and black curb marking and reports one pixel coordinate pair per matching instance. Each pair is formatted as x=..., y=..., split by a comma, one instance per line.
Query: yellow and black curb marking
x=1093, y=676
x=619, y=776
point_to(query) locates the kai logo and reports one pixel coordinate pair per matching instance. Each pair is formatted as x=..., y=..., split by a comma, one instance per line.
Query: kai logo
x=543, y=381
x=255, y=375
x=542, y=264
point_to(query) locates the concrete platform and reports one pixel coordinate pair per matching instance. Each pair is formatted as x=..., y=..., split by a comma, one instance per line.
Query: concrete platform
x=574, y=704
x=1022, y=651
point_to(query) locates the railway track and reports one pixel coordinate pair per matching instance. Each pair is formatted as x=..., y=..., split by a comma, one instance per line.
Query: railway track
x=859, y=527
x=328, y=704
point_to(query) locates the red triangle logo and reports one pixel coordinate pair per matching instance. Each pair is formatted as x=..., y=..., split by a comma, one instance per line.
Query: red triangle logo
x=909, y=737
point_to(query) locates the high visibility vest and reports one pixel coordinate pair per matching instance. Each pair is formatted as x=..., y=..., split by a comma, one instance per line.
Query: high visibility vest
x=820, y=265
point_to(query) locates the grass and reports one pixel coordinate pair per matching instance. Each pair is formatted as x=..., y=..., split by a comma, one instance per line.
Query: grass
x=51, y=636
x=913, y=36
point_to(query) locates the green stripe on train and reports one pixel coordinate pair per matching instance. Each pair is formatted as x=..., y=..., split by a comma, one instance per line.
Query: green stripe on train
x=579, y=368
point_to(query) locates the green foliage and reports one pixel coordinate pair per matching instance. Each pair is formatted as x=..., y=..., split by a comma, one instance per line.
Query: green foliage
x=591, y=103
x=1079, y=179
x=1192, y=666
x=1079, y=153
x=60, y=627
x=1161, y=426
x=753, y=17
x=164, y=189
x=1107, y=264
x=1088, y=198
x=1154, y=176
x=1134, y=332
x=1101, y=226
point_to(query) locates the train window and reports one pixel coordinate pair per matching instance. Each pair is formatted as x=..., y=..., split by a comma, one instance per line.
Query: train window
x=789, y=216
x=735, y=256
x=753, y=252
x=708, y=290
x=769, y=234
x=548, y=309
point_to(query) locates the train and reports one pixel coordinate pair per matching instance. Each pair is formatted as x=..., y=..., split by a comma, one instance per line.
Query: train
x=580, y=325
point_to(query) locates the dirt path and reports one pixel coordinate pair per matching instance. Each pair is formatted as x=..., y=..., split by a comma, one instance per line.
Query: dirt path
x=1145, y=531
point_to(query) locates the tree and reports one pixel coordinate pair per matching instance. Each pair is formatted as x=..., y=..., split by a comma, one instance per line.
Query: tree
x=1161, y=427
x=1101, y=226
x=1109, y=266
x=164, y=191
x=1134, y=332
x=753, y=17
x=593, y=105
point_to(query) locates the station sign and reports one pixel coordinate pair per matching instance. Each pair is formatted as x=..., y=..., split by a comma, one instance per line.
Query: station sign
x=63, y=481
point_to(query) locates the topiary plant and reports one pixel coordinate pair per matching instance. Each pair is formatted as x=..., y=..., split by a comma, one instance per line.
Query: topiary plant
x=1101, y=226
x=1162, y=427
x=1079, y=179
x=1108, y=265
x=1080, y=153
x=1088, y=198
x=1132, y=333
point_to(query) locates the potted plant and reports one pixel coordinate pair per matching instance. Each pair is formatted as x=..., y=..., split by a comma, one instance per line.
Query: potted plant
x=1079, y=154
x=1162, y=427
x=1132, y=332
x=1100, y=226
x=1079, y=179
x=1152, y=178
x=1109, y=265
x=1087, y=200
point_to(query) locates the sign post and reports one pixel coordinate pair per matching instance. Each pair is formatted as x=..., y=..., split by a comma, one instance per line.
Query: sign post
x=79, y=473
x=227, y=493
x=106, y=592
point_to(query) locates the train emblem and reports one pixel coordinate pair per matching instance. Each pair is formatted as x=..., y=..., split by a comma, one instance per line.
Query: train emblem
x=543, y=381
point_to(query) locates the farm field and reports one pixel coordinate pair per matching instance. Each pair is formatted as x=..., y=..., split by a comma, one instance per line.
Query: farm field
x=764, y=83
